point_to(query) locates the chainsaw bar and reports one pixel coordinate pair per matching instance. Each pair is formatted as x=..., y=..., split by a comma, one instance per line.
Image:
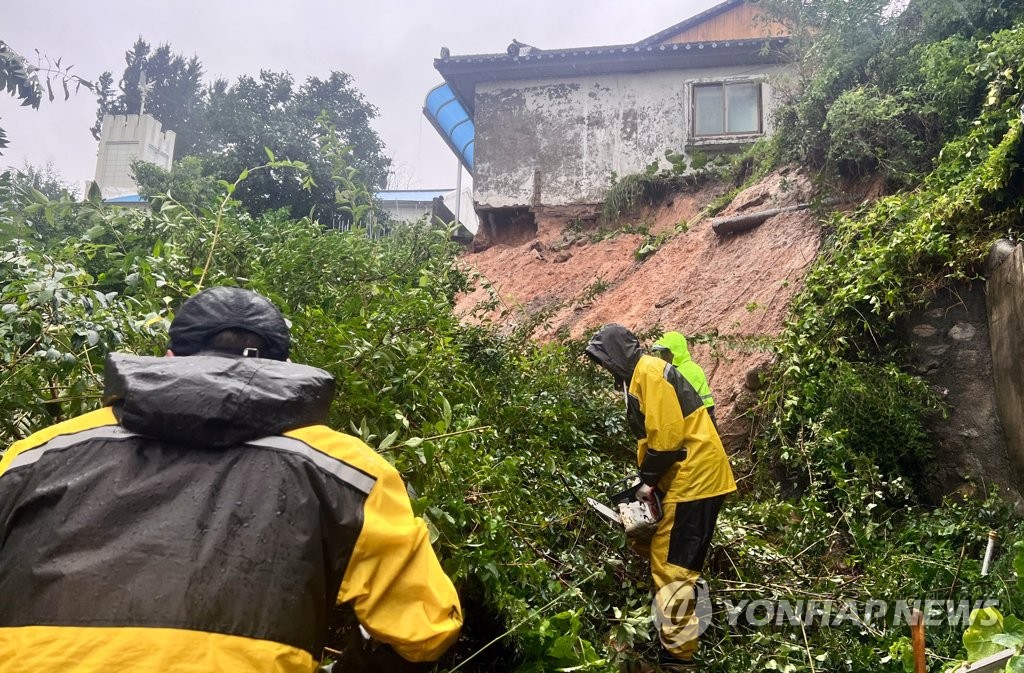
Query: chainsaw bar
x=605, y=511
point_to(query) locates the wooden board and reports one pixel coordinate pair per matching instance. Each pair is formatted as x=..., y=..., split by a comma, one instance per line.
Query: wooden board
x=737, y=23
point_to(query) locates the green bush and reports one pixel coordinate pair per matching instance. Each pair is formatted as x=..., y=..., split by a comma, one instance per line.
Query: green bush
x=870, y=132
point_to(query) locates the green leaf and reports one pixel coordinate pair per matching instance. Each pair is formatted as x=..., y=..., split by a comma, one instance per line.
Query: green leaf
x=94, y=232
x=563, y=650
x=986, y=624
x=270, y=153
x=447, y=413
x=387, y=441
x=1007, y=640
x=1015, y=664
x=1013, y=626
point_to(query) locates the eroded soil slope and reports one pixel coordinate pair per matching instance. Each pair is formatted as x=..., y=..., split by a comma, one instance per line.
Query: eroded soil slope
x=729, y=292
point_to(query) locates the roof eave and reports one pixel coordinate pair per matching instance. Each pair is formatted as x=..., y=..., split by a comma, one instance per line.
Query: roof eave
x=463, y=73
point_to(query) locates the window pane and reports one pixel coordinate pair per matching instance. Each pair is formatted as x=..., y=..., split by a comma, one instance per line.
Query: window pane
x=742, y=102
x=708, y=113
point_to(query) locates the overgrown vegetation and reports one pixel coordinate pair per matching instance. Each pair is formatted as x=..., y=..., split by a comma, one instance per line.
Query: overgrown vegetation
x=928, y=98
x=224, y=127
x=842, y=421
x=502, y=438
x=499, y=438
x=628, y=194
x=881, y=86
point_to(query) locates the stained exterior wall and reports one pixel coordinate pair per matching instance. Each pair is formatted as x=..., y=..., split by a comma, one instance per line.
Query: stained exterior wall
x=557, y=142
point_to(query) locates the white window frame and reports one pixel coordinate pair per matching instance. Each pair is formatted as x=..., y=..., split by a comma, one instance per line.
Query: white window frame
x=726, y=136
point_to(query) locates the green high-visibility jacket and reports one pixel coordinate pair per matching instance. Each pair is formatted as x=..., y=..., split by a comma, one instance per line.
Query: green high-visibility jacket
x=691, y=371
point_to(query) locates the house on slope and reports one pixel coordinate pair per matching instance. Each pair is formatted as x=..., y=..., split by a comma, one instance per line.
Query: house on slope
x=548, y=128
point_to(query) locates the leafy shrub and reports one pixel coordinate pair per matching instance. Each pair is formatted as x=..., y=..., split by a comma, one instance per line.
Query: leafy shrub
x=870, y=132
x=500, y=438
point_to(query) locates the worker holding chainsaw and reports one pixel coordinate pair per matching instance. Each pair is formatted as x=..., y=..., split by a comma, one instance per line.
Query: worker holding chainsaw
x=683, y=464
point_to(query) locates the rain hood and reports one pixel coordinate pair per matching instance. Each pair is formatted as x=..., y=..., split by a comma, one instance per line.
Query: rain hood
x=616, y=349
x=214, y=401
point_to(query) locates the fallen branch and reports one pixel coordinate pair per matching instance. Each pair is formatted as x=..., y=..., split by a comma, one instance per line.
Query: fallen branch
x=737, y=223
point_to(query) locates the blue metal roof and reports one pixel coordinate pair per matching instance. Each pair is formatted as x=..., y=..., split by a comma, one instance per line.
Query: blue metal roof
x=128, y=198
x=417, y=195
x=451, y=120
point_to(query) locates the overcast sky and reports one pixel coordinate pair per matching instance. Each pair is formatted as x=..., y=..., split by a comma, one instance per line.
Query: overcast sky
x=387, y=46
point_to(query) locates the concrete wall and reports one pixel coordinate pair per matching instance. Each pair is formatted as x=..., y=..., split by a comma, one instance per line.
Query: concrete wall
x=1006, y=324
x=124, y=139
x=556, y=142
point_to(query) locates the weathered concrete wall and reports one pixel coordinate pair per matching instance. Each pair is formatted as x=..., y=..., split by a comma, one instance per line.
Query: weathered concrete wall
x=556, y=142
x=950, y=349
x=1006, y=324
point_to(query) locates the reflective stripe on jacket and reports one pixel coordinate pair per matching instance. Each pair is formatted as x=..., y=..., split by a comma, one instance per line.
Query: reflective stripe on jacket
x=127, y=546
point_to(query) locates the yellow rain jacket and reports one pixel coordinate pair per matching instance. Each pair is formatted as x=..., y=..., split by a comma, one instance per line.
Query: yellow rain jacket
x=206, y=520
x=679, y=451
x=668, y=418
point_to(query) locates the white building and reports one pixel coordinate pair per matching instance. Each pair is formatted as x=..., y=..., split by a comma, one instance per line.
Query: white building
x=124, y=139
x=548, y=128
x=412, y=205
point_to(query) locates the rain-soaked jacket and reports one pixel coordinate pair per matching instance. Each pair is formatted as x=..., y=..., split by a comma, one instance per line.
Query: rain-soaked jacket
x=205, y=520
x=678, y=448
x=691, y=371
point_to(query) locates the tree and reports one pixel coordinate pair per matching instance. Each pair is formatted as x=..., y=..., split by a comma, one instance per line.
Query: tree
x=322, y=123
x=188, y=183
x=18, y=77
x=46, y=180
x=176, y=93
x=319, y=123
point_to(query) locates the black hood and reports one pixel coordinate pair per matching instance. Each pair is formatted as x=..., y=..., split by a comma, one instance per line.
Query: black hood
x=215, y=402
x=616, y=349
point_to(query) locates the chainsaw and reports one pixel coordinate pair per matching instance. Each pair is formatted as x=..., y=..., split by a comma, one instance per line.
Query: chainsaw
x=639, y=519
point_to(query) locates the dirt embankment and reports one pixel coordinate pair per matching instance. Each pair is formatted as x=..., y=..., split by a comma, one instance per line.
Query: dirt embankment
x=731, y=292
